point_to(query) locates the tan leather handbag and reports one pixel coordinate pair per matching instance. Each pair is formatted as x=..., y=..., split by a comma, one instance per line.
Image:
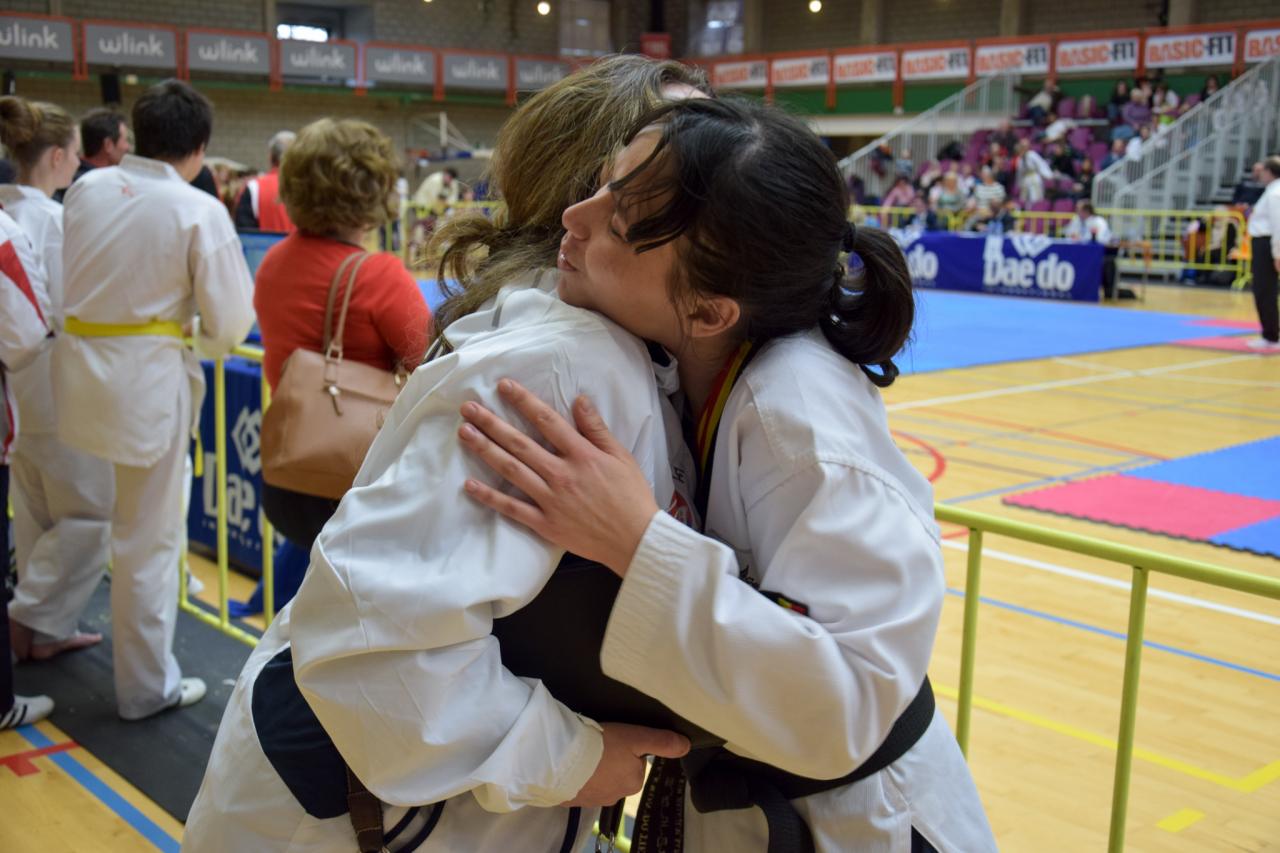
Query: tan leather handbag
x=325, y=412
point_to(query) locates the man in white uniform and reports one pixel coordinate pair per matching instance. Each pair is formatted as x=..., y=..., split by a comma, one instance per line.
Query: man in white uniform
x=147, y=255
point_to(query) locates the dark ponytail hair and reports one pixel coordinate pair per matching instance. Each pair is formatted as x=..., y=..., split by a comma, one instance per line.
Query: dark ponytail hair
x=762, y=205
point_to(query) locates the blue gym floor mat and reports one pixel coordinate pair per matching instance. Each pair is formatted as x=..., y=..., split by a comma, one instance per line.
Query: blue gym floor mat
x=956, y=330
x=1261, y=538
x=1251, y=469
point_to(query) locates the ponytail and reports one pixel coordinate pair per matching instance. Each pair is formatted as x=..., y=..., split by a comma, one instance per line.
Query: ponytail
x=30, y=128
x=870, y=310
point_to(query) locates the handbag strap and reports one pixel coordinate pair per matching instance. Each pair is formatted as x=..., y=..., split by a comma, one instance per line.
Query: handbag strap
x=333, y=337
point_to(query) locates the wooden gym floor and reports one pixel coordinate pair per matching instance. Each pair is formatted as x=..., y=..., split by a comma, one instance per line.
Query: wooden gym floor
x=1050, y=653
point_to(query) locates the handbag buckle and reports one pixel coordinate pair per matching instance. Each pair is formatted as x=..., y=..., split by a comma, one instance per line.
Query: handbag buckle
x=334, y=391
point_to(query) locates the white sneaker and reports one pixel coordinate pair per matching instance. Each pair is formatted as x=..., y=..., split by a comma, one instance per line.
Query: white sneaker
x=1263, y=345
x=26, y=710
x=190, y=692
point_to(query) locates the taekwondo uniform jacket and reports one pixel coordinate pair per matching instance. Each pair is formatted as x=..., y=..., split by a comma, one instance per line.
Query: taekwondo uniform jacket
x=24, y=323
x=809, y=499
x=390, y=632
x=143, y=246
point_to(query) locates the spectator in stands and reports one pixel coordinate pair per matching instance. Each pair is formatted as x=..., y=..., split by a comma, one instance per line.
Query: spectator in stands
x=1249, y=190
x=1264, y=238
x=953, y=150
x=1116, y=154
x=62, y=496
x=901, y=194
x=1005, y=137
x=1211, y=87
x=259, y=206
x=1137, y=144
x=1120, y=97
x=1005, y=173
x=967, y=179
x=1057, y=128
x=988, y=192
x=1083, y=186
x=924, y=217
x=104, y=140
x=1031, y=173
x=1062, y=160
x=904, y=167
x=1043, y=102
x=1086, y=107
x=993, y=154
x=946, y=197
x=337, y=183
x=145, y=256
x=1135, y=115
x=439, y=191
x=1164, y=104
x=1088, y=226
x=929, y=177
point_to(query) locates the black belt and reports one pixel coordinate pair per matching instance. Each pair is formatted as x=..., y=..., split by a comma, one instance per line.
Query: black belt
x=718, y=780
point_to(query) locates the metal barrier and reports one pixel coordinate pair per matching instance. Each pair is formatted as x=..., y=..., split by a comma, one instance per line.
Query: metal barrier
x=1142, y=561
x=417, y=223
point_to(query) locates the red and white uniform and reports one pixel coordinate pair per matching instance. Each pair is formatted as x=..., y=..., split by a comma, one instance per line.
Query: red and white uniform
x=24, y=325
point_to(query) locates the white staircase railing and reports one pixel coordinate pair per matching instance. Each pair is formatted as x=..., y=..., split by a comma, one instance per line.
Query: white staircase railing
x=981, y=104
x=1211, y=146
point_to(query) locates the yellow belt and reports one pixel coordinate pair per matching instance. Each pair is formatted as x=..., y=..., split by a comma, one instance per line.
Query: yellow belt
x=154, y=328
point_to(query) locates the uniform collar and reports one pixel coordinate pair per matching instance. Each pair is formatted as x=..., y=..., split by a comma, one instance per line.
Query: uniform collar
x=19, y=192
x=147, y=166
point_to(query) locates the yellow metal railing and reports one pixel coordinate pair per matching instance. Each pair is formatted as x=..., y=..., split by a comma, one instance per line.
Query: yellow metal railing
x=1142, y=561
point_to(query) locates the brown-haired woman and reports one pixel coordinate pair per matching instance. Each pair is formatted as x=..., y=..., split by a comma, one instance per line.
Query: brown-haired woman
x=62, y=497
x=338, y=183
x=800, y=627
x=385, y=662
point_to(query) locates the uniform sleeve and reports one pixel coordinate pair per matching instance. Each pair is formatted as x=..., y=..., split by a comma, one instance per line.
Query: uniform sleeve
x=1272, y=201
x=24, y=325
x=223, y=286
x=813, y=695
x=401, y=314
x=391, y=629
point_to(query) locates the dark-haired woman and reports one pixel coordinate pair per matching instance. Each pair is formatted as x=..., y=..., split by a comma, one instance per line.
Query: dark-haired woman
x=799, y=627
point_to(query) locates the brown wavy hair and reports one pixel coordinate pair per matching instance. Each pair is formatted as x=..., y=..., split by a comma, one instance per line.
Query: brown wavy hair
x=30, y=128
x=339, y=174
x=548, y=157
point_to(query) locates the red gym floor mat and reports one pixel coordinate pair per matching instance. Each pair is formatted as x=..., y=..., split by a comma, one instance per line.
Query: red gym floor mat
x=1186, y=512
x=1225, y=343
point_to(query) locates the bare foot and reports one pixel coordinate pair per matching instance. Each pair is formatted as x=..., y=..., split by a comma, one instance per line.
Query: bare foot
x=20, y=640
x=77, y=641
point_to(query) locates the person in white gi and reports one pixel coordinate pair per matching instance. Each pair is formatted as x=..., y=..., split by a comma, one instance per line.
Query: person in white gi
x=145, y=255
x=389, y=641
x=807, y=498
x=61, y=497
x=390, y=633
x=24, y=334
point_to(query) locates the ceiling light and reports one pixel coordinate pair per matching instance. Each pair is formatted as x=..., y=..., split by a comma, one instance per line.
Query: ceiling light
x=815, y=6
x=544, y=8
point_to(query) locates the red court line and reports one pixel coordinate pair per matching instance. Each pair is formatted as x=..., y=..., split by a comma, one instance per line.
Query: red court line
x=1057, y=434
x=939, y=461
x=20, y=762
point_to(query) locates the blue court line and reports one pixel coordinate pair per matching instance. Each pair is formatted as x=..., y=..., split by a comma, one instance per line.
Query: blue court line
x=112, y=800
x=1117, y=635
x=1048, y=481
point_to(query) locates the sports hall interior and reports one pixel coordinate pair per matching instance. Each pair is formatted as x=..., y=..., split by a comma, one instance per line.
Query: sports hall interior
x=1069, y=435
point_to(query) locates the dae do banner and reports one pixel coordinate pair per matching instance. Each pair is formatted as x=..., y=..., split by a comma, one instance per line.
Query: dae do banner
x=1009, y=265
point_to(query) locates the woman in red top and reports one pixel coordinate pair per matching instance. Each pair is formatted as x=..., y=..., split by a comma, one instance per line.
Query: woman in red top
x=338, y=183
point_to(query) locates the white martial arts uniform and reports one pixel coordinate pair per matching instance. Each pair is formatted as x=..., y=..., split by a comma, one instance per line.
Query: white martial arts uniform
x=61, y=496
x=390, y=631
x=812, y=500
x=24, y=324
x=142, y=245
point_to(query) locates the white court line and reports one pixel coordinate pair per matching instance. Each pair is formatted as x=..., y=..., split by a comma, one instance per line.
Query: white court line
x=1060, y=383
x=1101, y=580
x=1088, y=365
